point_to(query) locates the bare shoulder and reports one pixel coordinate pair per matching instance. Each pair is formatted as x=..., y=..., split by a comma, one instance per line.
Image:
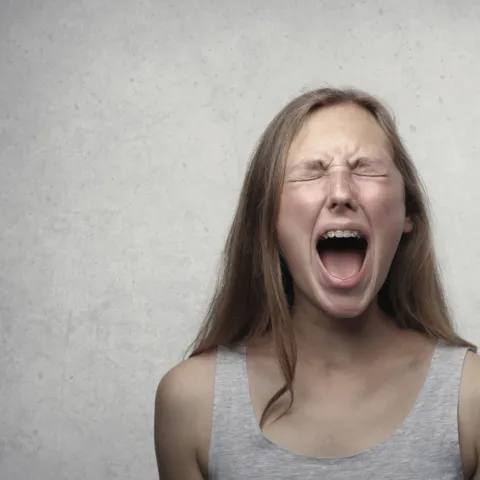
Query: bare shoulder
x=183, y=417
x=470, y=387
x=189, y=382
x=469, y=413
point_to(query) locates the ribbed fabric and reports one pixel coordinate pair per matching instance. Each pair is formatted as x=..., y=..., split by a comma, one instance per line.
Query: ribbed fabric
x=424, y=447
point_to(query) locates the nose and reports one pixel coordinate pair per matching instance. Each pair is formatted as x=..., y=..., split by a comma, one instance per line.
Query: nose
x=340, y=195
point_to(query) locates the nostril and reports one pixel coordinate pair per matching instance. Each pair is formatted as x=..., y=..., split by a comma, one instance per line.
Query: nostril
x=349, y=204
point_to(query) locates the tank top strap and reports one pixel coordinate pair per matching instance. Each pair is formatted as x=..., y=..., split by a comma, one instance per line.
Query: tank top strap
x=231, y=382
x=231, y=422
x=435, y=413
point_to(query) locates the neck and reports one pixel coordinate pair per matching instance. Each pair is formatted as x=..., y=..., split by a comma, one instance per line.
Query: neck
x=339, y=342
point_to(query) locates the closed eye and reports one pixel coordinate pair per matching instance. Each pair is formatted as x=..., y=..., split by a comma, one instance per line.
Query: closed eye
x=368, y=168
x=310, y=170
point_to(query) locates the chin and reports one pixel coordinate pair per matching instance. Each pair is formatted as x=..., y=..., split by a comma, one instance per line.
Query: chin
x=344, y=307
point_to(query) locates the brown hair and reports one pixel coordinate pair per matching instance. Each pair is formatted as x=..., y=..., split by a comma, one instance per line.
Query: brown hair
x=254, y=293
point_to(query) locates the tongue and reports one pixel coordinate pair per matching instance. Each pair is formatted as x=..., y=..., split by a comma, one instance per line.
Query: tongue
x=342, y=264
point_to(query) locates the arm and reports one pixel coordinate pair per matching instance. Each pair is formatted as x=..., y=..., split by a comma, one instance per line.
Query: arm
x=469, y=417
x=183, y=419
x=476, y=475
x=174, y=430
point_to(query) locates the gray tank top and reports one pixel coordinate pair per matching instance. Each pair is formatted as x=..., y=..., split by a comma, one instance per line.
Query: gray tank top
x=425, y=446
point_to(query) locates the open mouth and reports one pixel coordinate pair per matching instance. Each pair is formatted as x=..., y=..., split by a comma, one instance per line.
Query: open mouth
x=342, y=253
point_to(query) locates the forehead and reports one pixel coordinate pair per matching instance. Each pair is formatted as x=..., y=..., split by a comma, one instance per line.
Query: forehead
x=340, y=130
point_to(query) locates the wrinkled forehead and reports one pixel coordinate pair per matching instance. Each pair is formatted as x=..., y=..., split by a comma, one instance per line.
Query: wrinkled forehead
x=339, y=132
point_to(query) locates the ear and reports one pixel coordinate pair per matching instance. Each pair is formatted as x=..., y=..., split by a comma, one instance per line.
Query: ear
x=408, y=225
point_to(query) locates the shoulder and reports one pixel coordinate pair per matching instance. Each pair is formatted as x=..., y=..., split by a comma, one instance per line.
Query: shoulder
x=188, y=383
x=470, y=386
x=469, y=411
x=183, y=408
x=471, y=368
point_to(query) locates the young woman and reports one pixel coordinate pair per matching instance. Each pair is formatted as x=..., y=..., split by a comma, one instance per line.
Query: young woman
x=327, y=351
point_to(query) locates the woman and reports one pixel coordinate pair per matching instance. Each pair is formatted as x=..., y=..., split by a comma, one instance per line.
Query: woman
x=328, y=350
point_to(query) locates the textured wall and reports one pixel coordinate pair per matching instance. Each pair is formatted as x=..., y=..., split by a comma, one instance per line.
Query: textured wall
x=125, y=127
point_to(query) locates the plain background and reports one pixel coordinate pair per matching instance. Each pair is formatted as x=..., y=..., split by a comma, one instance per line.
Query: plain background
x=125, y=129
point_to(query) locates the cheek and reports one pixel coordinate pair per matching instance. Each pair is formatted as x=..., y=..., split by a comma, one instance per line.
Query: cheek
x=392, y=207
x=387, y=210
x=297, y=216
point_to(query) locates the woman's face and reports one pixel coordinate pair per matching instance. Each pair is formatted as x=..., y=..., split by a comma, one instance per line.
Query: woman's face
x=342, y=210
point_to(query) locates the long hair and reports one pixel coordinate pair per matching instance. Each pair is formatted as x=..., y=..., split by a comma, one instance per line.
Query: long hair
x=254, y=293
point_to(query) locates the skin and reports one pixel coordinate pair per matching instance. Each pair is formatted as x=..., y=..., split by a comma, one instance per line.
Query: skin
x=353, y=362
x=339, y=170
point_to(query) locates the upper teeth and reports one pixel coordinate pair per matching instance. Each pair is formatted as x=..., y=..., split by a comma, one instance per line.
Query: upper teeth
x=342, y=234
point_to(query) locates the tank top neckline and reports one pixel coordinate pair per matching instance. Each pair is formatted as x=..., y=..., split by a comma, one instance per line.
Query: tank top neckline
x=406, y=425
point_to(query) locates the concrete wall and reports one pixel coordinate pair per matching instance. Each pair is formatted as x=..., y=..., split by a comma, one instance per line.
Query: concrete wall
x=125, y=128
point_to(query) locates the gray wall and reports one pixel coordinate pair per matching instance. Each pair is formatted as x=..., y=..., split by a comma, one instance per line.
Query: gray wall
x=125, y=128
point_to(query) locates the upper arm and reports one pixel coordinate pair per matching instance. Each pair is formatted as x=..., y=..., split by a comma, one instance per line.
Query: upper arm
x=183, y=407
x=469, y=417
